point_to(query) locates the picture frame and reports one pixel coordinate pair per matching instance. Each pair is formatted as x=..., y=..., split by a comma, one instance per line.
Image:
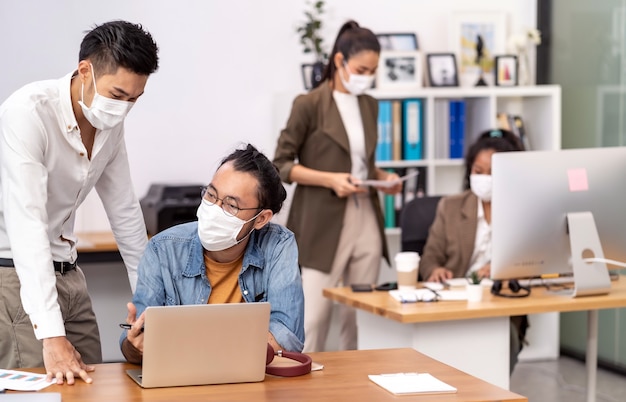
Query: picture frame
x=307, y=72
x=403, y=41
x=506, y=70
x=399, y=70
x=442, y=70
x=477, y=33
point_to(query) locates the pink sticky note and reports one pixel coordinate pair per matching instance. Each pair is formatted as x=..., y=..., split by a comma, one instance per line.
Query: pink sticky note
x=577, y=179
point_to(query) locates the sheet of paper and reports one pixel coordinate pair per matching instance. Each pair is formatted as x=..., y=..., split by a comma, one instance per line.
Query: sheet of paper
x=462, y=282
x=427, y=295
x=387, y=184
x=23, y=380
x=411, y=383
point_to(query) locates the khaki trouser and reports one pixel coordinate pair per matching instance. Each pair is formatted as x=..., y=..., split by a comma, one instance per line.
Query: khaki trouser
x=357, y=260
x=18, y=345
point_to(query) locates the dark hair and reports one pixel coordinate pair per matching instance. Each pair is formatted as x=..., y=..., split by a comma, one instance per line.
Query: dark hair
x=271, y=192
x=351, y=39
x=120, y=44
x=498, y=140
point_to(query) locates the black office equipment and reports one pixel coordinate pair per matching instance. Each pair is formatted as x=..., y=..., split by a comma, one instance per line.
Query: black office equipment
x=167, y=205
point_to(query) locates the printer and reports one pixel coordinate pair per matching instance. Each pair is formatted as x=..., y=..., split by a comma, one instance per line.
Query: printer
x=167, y=205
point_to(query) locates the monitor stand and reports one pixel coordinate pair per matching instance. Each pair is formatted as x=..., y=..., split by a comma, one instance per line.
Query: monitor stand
x=590, y=278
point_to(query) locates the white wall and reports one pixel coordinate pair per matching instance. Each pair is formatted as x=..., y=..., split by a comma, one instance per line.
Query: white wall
x=228, y=70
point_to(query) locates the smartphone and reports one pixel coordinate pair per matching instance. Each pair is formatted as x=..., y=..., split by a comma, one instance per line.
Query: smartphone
x=387, y=286
x=361, y=287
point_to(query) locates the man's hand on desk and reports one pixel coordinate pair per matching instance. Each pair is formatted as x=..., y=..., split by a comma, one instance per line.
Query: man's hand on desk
x=62, y=361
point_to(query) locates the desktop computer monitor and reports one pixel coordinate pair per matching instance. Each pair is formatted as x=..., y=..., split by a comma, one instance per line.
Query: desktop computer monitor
x=552, y=210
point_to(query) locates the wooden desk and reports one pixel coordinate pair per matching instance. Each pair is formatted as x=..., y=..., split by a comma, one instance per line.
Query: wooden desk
x=343, y=378
x=95, y=242
x=470, y=336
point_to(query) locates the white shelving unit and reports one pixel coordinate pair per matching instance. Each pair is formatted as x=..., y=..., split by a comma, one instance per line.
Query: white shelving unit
x=539, y=107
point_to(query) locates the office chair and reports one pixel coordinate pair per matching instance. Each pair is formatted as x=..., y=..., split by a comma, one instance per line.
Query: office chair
x=415, y=220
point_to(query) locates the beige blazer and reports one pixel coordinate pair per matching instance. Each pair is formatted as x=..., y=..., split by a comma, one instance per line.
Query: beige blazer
x=316, y=138
x=452, y=235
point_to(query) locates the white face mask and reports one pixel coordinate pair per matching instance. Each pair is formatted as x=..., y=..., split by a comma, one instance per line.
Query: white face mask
x=104, y=113
x=357, y=84
x=481, y=185
x=218, y=231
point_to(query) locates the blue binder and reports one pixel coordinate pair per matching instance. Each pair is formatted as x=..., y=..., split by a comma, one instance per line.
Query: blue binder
x=383, y=146
x=412, y=133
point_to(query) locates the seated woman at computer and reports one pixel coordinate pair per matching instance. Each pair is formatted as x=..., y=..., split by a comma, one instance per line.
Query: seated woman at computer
x=459, y=240
x=232, y=254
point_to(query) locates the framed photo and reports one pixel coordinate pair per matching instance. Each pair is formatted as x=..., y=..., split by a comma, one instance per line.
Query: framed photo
x=397, y=41
x=506, y=70
x=307, y=73
x=442, y=71
x=475, y=38
x=398, y=69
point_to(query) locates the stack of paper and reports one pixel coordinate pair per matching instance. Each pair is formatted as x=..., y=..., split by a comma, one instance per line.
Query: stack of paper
x=411, y=383
x=23, y=380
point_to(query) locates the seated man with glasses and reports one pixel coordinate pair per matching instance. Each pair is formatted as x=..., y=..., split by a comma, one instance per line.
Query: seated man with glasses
x=232, y=254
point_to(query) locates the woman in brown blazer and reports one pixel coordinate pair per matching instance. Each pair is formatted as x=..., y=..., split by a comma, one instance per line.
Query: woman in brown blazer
x=328, y=148
x=459, y=240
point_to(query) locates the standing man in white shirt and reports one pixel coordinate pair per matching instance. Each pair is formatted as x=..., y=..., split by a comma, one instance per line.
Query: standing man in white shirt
x=58, y=140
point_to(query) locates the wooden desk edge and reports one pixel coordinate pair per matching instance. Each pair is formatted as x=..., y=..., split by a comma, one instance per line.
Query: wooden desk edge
x=490, y=307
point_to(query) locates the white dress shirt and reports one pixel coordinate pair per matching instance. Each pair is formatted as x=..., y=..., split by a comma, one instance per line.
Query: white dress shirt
x=45, y=174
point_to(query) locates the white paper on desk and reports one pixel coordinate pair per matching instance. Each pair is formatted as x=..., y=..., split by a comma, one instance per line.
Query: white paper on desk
x=411, y=383
x=23, y=380
x=416, y=295
x=388, y=183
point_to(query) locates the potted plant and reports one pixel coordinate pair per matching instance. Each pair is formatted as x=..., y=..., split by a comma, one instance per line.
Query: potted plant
x=311, y=39
x=474, y=288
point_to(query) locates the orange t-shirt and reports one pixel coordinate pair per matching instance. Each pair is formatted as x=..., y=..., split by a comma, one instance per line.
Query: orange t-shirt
x=223, y=279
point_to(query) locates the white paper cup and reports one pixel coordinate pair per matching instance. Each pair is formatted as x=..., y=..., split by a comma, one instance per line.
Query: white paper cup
x=407, y=263
x=474, y=292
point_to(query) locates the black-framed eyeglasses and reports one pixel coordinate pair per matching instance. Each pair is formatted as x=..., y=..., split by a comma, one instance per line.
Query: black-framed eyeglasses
x=229, y=204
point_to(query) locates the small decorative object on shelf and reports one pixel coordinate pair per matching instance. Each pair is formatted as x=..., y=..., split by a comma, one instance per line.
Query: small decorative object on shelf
x=312, y=41
x=506, y=70
x=399, y=70
x=520, y=44
x=398, y=41
x=475, y=37
x=479, y=61
x=442, y=70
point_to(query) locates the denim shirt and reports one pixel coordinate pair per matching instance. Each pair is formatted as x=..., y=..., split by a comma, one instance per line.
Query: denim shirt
x=172, y=272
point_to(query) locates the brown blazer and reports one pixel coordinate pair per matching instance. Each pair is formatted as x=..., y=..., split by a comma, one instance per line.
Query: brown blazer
x=452, y=235
x=316, y=138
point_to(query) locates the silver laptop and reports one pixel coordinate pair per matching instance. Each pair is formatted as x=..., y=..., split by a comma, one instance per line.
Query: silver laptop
x=204, y=344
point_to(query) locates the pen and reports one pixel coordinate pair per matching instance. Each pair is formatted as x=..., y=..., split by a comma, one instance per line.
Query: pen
x=128, y=326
